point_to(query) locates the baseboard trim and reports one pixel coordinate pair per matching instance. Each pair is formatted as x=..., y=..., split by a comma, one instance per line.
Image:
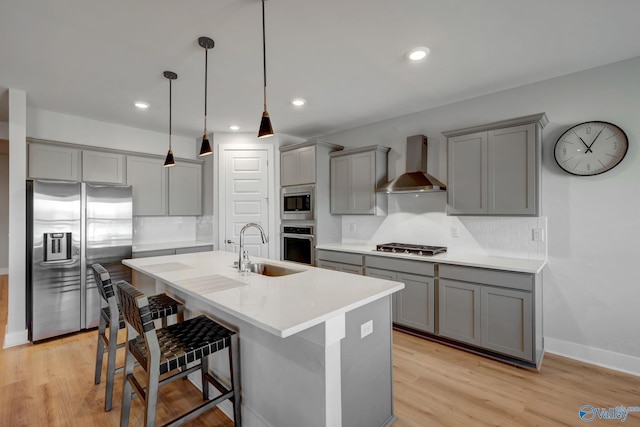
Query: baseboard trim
x=594, y=356
x=4, y=271
x=14, y=339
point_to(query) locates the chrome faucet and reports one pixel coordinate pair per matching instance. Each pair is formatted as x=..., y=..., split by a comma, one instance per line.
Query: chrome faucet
x=263, y=236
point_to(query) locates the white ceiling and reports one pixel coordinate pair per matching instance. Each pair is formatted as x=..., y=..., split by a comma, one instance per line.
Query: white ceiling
x=94, y=58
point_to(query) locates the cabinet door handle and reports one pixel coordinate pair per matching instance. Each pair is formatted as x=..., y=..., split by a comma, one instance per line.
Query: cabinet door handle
x=229, y=241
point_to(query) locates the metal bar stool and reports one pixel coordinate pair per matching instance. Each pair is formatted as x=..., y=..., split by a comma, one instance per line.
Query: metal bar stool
x=171, y=348
x=161, y=306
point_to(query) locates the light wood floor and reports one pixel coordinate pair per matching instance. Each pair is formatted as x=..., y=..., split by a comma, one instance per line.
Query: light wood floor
x=51, y=384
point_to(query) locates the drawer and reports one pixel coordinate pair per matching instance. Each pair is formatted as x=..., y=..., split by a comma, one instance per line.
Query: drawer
x=506, y=279
x=341, y=257
x=402, y=265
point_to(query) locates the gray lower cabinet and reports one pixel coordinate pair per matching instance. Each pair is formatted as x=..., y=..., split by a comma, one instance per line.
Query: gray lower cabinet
x=495, y=310
x=414, y=306
x=459, y=311
x=340, y=261
x=507, y=321
x=386, y=275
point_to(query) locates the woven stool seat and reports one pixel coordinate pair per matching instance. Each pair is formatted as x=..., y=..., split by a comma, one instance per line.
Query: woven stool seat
x=160, y=351
x=183, y=343
x=160, y=307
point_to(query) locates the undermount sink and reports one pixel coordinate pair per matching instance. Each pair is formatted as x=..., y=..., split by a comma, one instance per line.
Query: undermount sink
x=271, y=269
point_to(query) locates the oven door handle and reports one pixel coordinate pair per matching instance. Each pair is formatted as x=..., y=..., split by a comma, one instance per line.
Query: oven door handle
x=310, y=237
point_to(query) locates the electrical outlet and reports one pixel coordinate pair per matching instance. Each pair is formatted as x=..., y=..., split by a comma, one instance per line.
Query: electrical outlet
x=455, y=231
x=538, y=235
x=352, y=227
x=366, y=329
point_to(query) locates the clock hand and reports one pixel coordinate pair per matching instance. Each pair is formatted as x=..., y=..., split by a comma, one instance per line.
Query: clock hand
x=585, y=144
x=594, y=140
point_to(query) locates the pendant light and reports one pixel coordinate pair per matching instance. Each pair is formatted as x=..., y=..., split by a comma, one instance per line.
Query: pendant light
x=168, y=162
x=265, y=124
x=205, y=148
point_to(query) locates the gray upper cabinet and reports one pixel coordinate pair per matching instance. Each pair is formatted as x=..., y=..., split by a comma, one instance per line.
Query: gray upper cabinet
x=301, y=163
x=164, y=191
x=103, y=167
x=494, y=169
x=148, y=179
x=355, y=174
x=298, y=166
x=185, y=189
x=48, y=161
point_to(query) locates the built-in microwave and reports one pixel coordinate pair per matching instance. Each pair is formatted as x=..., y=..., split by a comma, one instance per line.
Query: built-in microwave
x=297, y=203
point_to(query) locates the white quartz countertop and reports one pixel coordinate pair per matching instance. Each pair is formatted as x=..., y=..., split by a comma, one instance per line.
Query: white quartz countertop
x=169, y=245
x=519, y=265
x=282, y=305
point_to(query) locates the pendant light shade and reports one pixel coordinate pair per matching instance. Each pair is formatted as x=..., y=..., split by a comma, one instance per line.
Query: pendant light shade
x=169, y=161
x=206, y=43
x=265, y=123
x=265, y=126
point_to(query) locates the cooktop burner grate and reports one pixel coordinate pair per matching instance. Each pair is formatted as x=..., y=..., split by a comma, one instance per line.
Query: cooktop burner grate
x=408, y=248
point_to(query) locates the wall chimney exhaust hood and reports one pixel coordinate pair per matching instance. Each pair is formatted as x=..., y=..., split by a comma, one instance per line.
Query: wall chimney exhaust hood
x=415, y=179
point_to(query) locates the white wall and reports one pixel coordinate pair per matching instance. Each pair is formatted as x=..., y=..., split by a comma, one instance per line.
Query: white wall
x=4, y=213
x=60, y=127
x=16, y=332
x=591, y=290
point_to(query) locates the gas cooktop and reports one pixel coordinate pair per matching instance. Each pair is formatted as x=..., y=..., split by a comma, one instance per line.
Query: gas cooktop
x=407, y=248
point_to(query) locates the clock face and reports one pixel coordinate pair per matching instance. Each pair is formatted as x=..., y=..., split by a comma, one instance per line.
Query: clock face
x=591, y=148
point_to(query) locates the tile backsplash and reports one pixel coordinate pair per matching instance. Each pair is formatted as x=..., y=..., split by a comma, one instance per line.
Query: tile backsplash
x=421, y=219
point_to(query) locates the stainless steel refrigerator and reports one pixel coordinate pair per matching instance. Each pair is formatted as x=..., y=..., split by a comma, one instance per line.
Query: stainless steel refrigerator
x=70, y=226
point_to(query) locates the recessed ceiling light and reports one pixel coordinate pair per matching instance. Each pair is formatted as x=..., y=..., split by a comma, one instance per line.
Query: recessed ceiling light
x=234, y=127
x=298, y=102
x=142, y=105
x=418, y=53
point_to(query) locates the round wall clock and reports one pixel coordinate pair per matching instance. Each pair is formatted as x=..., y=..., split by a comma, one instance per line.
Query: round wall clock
x=591, y=148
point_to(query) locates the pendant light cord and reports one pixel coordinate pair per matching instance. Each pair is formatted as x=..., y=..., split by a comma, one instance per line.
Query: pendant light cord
x=206, y=62
x=170, y=81
x=264, y=58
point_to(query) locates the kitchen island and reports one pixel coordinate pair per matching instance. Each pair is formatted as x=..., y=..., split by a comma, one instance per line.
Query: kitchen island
x=315, y=345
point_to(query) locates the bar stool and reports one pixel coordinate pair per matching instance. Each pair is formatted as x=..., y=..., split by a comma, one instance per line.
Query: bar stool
x=173, y=347
x=161, y=306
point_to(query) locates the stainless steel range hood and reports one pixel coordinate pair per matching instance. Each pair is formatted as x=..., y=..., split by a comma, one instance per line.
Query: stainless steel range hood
x=415, y=179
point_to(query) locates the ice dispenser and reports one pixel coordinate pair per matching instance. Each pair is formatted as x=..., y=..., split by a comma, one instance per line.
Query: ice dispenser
x=57, y=246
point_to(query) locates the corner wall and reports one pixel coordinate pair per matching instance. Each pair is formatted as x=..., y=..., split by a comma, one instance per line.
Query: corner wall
x=591, y=288
x=4, y=213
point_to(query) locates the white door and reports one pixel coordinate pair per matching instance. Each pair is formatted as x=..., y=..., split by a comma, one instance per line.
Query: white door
x=245, y=196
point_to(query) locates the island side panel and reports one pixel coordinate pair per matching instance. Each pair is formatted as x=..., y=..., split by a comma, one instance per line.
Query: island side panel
x=283, y=380
x=367, y=371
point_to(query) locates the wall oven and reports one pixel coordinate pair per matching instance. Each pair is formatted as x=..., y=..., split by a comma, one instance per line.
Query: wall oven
x=298, y=244
x=297, y=203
